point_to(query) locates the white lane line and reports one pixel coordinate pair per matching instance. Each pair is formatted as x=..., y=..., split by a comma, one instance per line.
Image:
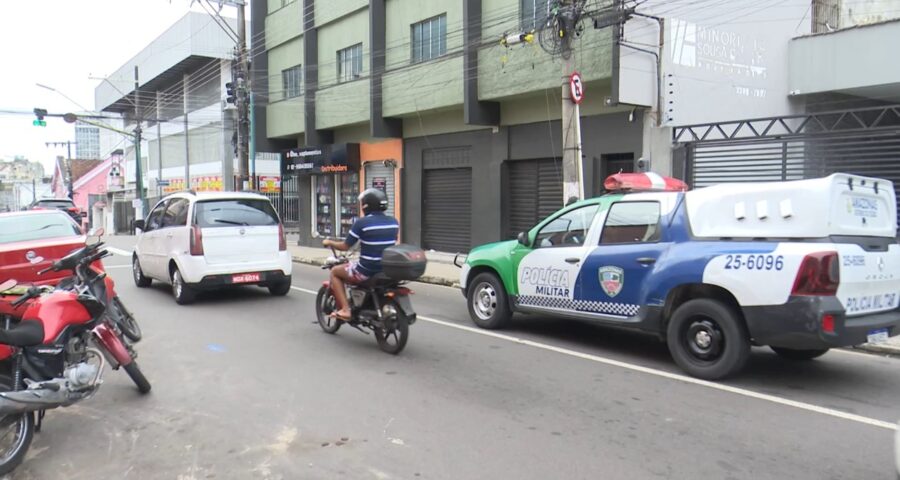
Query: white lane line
x=119, y=251
x=661, y=373
x=107, y=267
x=304, y=290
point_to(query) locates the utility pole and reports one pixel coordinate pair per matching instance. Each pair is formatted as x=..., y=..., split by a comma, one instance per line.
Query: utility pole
x=139, y=172
x=68, y=144
x=242, y=99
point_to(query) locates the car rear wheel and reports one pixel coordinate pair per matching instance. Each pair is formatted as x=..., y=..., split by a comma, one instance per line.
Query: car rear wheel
x=139, y=279
x=488, y=304
x=707, y=339
x=183, y=293
x=280, y=289
x=800, y=355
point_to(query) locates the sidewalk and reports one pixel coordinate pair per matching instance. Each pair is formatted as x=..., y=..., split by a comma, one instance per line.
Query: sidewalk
x=441, y=271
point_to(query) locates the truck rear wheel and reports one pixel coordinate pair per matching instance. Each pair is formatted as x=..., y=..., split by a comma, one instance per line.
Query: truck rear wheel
x=801, y=355
x=707, y=339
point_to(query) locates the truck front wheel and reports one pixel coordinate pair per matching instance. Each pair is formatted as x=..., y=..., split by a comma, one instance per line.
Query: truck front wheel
x=488, y=304
x=707, y=339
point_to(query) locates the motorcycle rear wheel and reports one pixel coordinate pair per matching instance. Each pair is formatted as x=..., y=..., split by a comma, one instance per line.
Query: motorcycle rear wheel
x=325, y=304
x=22, y=427
x=394, y=340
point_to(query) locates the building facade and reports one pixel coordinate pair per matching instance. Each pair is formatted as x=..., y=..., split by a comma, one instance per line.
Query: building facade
x=466, y=134
x=187, y=126
x=87, y=142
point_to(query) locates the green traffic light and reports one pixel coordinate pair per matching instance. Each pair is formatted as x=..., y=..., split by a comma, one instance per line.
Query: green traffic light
x=39, y=123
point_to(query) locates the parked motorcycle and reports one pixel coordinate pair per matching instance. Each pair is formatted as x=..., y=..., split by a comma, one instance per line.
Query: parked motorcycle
x=56, y=354
x=380, y=304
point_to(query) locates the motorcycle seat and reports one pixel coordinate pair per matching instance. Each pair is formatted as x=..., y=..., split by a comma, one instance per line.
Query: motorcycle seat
x=26, y=334
x=378, y=280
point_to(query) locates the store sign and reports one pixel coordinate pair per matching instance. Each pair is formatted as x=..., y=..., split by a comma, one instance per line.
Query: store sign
x=326, y=159
x=269, y=184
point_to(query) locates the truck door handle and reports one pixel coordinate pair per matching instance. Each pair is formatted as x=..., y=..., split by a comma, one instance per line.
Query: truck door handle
x=646, y=260
x=573, y=260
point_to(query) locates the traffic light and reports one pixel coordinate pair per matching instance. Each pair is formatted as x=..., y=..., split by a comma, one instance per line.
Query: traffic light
x=39, y=121
x=229, y=91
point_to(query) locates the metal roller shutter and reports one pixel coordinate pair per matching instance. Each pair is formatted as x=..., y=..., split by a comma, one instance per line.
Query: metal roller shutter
x=535, y=191
x=377, y=170
x=447, y=222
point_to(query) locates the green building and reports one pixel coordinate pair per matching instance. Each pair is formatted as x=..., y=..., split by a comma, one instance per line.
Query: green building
x=421, y=99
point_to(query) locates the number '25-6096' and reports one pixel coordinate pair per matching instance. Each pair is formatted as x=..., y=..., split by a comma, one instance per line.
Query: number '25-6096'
x=754, y=262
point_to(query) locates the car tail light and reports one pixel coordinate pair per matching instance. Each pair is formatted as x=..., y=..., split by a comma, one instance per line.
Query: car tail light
x=73, y=209
x=828, y=323
x=819, y=275
x=196, y=241
x=282, y=242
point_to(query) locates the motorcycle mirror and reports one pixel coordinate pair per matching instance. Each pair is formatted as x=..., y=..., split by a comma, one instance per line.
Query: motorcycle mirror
x=8, y=285
x=94, y=235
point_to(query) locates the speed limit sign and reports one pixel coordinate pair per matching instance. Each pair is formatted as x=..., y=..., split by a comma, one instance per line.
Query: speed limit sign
x=576, y=88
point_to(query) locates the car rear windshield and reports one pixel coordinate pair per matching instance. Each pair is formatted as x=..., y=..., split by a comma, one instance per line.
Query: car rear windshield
x=235, y=212
x=56, y=204
x=24, y=228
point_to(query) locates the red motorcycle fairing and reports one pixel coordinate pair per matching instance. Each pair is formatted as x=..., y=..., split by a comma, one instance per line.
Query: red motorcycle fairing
x=111, y=342
x=56, y=311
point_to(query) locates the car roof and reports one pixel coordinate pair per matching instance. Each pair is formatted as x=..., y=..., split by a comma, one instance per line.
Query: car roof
x=53, y=200
x=33, y=212
x=217, y=195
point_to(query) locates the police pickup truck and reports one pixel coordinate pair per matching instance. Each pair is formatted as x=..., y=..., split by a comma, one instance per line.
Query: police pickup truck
x=799, y=266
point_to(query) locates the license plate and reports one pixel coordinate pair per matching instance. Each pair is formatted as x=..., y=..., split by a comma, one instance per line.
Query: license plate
x=878, y=336
x=245, y=278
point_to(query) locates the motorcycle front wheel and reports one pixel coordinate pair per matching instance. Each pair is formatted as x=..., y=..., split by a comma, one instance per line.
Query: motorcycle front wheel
x=393, y=340
x=325, y=304
x=16, y=433
x=125, y=320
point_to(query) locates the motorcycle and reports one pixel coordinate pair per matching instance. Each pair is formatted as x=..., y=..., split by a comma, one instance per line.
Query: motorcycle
x=380, y=304
x=56, y=354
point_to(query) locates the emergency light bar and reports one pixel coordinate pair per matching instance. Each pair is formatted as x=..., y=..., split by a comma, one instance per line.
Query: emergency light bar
x=643, y=182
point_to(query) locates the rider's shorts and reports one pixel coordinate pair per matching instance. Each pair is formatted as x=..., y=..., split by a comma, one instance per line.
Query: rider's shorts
x=355, y=275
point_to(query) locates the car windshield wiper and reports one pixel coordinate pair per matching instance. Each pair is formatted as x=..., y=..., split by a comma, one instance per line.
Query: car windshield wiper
x=231, y=222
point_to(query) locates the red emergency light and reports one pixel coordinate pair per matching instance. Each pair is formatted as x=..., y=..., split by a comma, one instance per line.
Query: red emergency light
x=643, y=182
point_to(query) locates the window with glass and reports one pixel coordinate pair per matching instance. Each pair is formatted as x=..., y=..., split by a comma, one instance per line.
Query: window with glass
x=429, y=39
x=235, y=212
x=349, y=201
x=323, y=203
x=533, y=14
x=567, y=230
x=154, y=220
x=349, y=63
x=631, y=222
x=292, y=82
x=176, y=213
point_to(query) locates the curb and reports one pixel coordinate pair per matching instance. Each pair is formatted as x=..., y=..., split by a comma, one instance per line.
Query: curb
x=423, y=279
x=883, y=348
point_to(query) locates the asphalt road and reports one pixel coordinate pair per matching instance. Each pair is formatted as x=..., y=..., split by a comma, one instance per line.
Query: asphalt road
x=246, y=386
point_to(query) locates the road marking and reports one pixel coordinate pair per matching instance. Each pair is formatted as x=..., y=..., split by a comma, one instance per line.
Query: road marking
x=107, y=267
x=661, y=373
x=119, y=251
x=304, y=290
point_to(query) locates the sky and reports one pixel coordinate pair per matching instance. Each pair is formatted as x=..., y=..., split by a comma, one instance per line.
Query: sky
x=61, y=43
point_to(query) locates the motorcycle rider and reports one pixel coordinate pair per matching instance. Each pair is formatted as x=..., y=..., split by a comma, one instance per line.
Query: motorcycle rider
x=375, y=231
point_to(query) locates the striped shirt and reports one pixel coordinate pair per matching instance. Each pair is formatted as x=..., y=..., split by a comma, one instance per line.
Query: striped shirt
x=375, y=232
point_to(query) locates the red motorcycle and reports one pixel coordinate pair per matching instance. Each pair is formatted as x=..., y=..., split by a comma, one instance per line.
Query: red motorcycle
x=56, y=354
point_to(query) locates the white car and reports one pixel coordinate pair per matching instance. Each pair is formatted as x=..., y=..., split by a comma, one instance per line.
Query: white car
x=200, y=241
x=897, y=451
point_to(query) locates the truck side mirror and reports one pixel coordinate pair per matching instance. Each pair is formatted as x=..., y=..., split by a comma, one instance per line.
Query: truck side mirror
x=523, y=239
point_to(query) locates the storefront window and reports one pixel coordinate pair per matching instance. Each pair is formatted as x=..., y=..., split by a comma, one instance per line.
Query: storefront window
x=323, y=190
x=349, y=201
